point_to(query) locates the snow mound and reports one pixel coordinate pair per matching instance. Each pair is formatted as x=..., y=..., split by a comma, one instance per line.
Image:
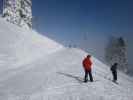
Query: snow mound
x=20, y=46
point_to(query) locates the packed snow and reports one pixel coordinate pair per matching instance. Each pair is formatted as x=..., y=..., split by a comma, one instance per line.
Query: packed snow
x=20, y=46
x=34, y=67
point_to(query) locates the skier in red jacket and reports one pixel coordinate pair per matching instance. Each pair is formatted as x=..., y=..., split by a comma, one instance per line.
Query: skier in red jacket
x=87, y=64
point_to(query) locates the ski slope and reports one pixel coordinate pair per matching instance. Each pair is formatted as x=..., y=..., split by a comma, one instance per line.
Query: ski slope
x=20, y=46
x=33, y=67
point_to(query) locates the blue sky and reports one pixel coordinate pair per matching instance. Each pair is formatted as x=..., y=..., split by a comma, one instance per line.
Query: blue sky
x=70, y=19
x=67, y=20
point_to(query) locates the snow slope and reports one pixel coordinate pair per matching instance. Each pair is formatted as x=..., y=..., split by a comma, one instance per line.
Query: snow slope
x=36, y=68
x=20, y=46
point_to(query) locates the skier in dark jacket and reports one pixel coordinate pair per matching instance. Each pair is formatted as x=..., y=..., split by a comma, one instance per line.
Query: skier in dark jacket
x=87, y=64
x=114, y=71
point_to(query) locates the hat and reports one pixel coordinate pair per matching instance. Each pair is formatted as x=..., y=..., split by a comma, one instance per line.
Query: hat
x=88, y=56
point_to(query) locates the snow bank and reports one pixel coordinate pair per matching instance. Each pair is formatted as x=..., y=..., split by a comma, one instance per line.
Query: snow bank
x=20, y=46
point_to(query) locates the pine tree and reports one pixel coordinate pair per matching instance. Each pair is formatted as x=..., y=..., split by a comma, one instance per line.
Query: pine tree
x=116, y=51
x=18, y=12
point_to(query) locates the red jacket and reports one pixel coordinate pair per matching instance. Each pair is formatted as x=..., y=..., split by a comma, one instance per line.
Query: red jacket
x=87, y=64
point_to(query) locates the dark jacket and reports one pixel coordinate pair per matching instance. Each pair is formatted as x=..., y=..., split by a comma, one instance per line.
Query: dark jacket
x=113, y=68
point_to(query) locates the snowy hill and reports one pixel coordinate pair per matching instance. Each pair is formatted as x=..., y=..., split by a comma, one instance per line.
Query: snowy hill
x=34, y=67
x=20, y=46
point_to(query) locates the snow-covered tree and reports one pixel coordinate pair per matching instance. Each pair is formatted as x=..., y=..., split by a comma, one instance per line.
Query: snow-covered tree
x=116, y=51
x=18, y=12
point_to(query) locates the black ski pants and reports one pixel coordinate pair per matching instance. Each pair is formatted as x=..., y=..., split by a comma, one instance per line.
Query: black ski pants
x=86, y=76
x=114, y=73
